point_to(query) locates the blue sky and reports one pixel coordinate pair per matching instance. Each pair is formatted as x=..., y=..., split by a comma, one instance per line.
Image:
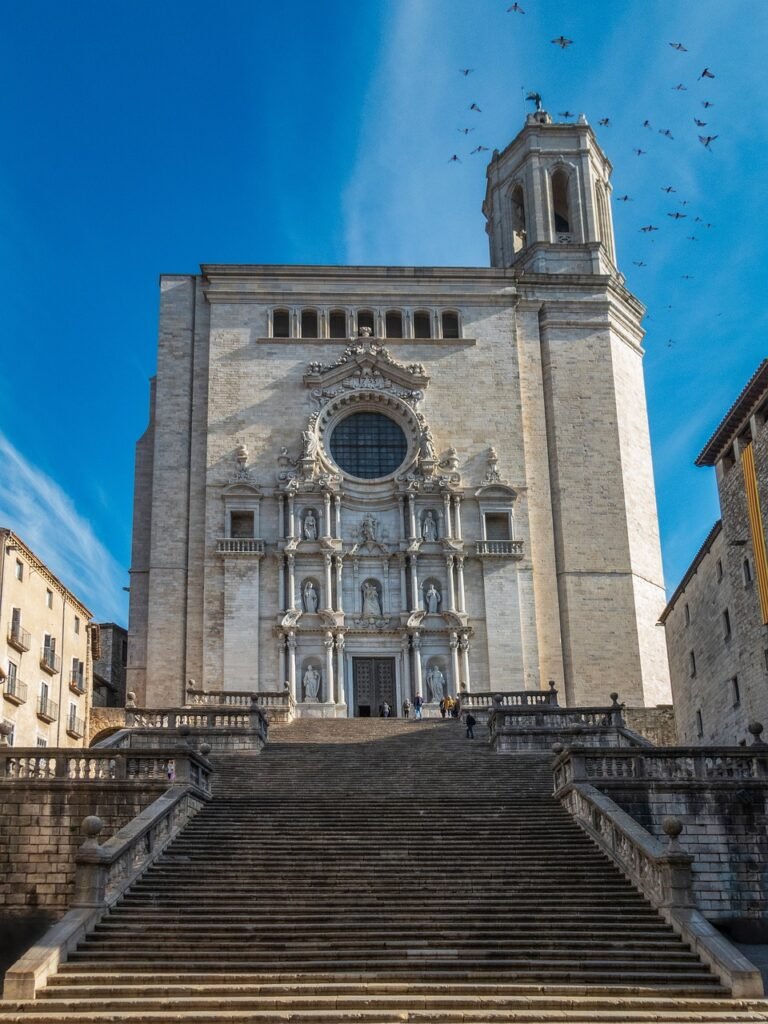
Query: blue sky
x=145, y=137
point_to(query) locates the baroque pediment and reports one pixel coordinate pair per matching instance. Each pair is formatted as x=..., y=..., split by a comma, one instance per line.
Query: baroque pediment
x=366, y=366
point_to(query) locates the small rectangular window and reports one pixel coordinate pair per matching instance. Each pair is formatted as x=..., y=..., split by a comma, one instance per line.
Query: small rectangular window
x=747, y=570
x=699, y=725
x=691, y=664
x=726, y=625
x=13, y=669
x=337, y=324
x=735, y=691
x=309, y=323
x=19, y=570
x=124, y=653
x=450, y=325
x=422, y=324
x=365, y=319
x=41, y=741
x=687, y=615
x=719, y=570
x=241, y=525
x=49, y=599
x=77, y=624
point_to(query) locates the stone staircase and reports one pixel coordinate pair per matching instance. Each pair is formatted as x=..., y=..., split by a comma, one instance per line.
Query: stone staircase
x=378, y=871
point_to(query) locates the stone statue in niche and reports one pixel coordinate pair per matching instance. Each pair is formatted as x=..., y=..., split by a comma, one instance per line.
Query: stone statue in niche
x=368, y=527
x=311, y=683
x=310, y=525
x=310, y=597
x=436, y=681
x=429, y=527
x=371, y=603
x=432, y=599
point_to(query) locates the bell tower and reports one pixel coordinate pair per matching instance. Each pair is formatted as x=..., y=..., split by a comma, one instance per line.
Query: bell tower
x=547, y=202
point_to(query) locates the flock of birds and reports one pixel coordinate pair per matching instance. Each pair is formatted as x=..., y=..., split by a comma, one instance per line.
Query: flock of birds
x=698, y=119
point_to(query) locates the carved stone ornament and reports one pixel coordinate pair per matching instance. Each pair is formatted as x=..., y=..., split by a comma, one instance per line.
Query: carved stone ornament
x=492, y=475
x=241, y=465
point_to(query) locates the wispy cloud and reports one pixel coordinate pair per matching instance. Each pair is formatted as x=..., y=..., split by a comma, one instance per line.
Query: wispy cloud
x=44, y=516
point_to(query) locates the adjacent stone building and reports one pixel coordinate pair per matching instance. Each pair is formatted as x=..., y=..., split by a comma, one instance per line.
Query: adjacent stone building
x=365, y=483
x=45, y=654
x=109, y=665
x=717, y=620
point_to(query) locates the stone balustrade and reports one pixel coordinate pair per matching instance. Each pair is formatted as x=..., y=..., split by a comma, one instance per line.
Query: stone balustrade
x=30, y=764
x=278, y=705
x=676, y=765
x=240, y=546
x=509, y=699
x=499, y=549
x=539, y=726
x=662, y=871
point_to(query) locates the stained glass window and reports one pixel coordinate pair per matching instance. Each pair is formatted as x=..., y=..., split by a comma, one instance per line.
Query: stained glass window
x=368, y=445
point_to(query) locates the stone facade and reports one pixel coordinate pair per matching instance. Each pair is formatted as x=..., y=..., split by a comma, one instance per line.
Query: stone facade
x=512, y=540
x=45, y=652
x=716, y=621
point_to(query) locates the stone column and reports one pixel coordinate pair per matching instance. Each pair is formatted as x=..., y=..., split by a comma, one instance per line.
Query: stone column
x=281, y=676
x=464, y=647
x=447, y=528
x=454, y=684
x=405, y=648
x=281, y=516
x=292, y=583
x=292, y=664
x=460, y=578
x=339, y=584
x=418, y=684
x=414, y=584
x=401, y=533
x=403, y=586
x=337, y=513
x=328, y=583
x=412, y=517
x=327, y=532
x=341, y=697
x=291, y=516
x=386, y=602
x=457, y=506
x=281, y=584
x=329, y=686
x=451, y=584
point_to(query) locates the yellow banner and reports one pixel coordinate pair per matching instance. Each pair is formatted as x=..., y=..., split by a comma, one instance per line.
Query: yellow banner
x=756, y=527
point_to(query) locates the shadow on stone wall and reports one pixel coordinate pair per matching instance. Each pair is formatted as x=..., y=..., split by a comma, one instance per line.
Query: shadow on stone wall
x=18, y=931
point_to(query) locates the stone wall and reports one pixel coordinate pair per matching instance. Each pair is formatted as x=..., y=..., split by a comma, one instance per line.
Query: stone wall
x=101, y=719
x=655, y=724
x=40, y=830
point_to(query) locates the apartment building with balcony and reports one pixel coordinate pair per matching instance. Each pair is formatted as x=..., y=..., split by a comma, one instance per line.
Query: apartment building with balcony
x=46, y=667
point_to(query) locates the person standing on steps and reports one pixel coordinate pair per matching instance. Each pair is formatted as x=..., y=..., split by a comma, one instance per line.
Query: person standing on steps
x=386, y=711
x=471, y=722
x=418, y=702
x=406, y=708
x=442, y=707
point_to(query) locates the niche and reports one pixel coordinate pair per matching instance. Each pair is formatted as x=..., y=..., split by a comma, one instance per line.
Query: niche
x=436, y=679
x=310, y=595
x=560, y=202
x=309, y=524
x=370, y=593
x=429, y=525
x=432, y=596
x=311, y=680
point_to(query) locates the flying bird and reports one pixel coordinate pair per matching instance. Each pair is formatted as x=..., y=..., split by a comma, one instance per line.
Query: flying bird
x=680, y=47
x=677, y=215
x=516, y=8
x=465, y=131
x=706, y=73
x=605, y=122
x=699, y=124
x=668, y=189
x=474, y=106
x=466, y=71
x=624, y=199
x=684, y=202
x=670, y=342
x=649, y=227
x=562, y=42
x=647, y=124
x=454, y=160
x=479, y=149
x=639, y=263
x=706, y=104
x=691, y=238
x=566, y=113
x=679, y=87
x=666, y=132
x=687, y=277
x=705, y=140
x=639, y=152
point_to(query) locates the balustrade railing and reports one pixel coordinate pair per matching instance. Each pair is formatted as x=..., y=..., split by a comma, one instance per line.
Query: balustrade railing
x=239, y=546
x=103, y=764
x=499, y=548
x=510, y=699
x=686, y=764
x=214, y=717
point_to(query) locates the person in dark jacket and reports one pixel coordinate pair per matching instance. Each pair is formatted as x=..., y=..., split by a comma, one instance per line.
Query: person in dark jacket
x=470, y=722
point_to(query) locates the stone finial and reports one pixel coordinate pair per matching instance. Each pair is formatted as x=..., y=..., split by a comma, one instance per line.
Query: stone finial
x=672, y=828
x=614, y=699
x=497, y=700
x=130, y=699
x=756, y=729
x=92, y=826
x=557, y=748
x=205, y=749
x=5, y=732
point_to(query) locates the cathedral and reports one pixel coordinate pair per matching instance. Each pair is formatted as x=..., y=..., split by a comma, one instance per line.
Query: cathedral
x=365, y=484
